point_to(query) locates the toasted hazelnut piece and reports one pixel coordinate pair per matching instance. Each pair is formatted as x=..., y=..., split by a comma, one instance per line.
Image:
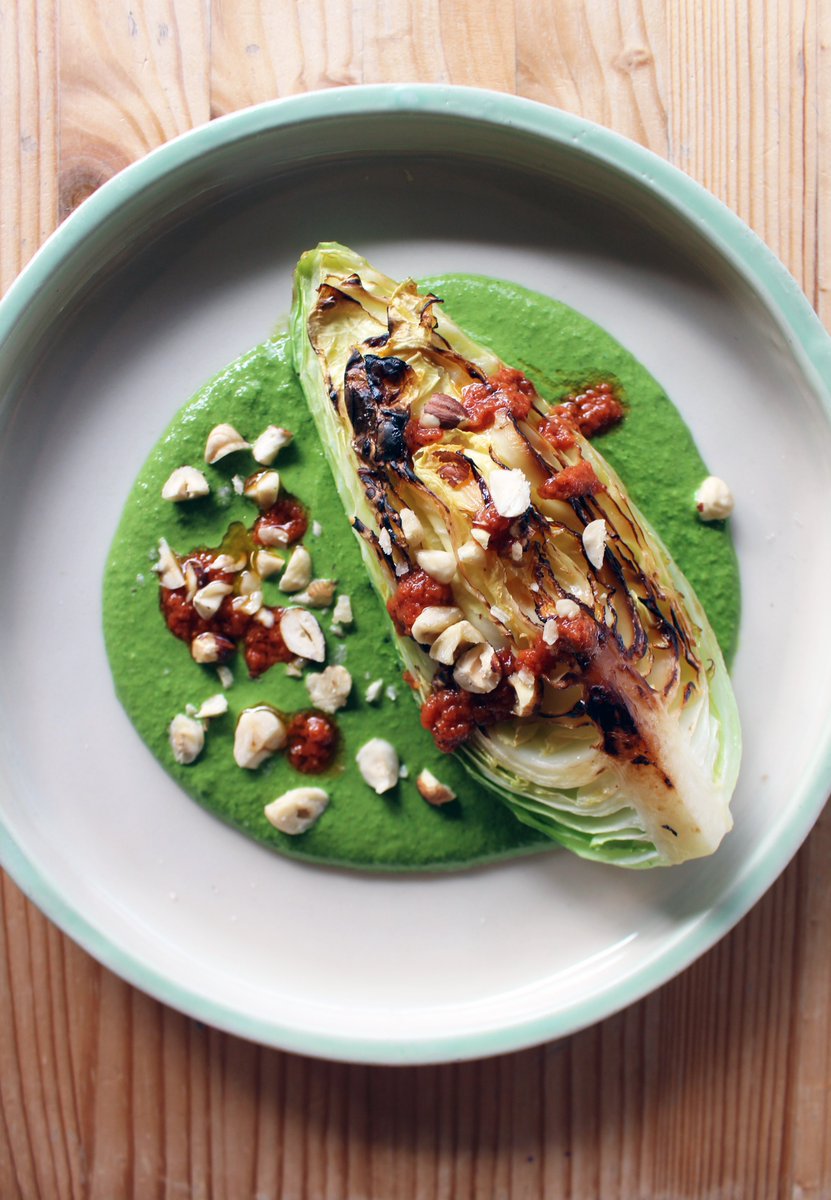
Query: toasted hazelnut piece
x=302, y=634
x=250, y=598
x=550, y=632
x=482, y=536
x=210, y=648
x=510, y=491
x=297, y=810
x=298, y=571
x=267, y=563
x=249, y=582
x=526, y=688
x=273, y=535
x=191, y=583
x=433, y=620
x=329, y=689
x=374, y=690
x=226, y=562
x=439, y=564
x=238, y=484
x=294, y=669
x=264, y=617
x=249, y=603
x=472, y=554
x=385, y=541
x=225, y=676
x=269, y=444
x=222, y=440
x=411, y=527
x=317, y=529
x=342, y=612
x=208, y=599
x=185, y=483
x=714, y=500
x=432, y=790
x=594, y=542
x=259, y=734
x=318, y=594
x=449, y=645
x=448, y=411
x=377, y=761
x=477, y=670
x=567, y=608
x=214, y=706
x=263, y=488
x=167, y=567
x=187, y=738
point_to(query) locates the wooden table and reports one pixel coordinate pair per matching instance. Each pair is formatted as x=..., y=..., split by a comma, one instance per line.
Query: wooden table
x=717, y=1085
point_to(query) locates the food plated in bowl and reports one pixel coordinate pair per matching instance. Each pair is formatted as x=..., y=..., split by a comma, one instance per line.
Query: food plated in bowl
x=181, y=266
x=553, y=644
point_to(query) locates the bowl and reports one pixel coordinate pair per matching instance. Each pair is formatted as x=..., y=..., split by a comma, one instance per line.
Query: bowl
x=182, y=262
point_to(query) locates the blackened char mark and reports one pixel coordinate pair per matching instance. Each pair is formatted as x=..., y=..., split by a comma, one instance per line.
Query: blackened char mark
x=390, y=444
x=386, y=376
x=621, y=736
x=360, y=404
x=372, y=387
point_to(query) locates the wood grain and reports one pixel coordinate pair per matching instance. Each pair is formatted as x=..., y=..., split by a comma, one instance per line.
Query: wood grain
x=715, y=1087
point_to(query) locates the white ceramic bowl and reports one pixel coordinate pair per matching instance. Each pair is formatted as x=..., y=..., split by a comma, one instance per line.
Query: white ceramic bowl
x=167, y=273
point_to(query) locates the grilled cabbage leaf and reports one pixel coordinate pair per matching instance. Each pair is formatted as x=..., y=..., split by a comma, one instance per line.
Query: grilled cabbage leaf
x=597, y=701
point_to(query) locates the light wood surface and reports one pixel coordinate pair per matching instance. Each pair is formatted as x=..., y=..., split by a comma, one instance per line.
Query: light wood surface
x=717, y=1086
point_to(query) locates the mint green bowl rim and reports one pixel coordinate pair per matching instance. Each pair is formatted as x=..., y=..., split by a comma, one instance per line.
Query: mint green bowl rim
x=807, y=340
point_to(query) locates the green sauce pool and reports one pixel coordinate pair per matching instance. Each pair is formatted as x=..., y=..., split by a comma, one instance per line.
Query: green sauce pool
x=156, y=677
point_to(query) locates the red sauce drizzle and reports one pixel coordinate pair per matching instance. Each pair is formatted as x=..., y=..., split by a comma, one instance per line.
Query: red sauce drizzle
x=571, y=483
x=594, y=410
x=417, y=435
x=575, y=636
x=415, y=592
x=448, y=714
x=264, y=646
x=496, y=525
x=557, y=429
x=507, y=390
x=311, y=742
x=451, y=715
x=287, y=517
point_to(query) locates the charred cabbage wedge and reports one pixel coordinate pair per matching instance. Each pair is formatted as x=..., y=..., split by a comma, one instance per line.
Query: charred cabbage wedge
x=562, y=652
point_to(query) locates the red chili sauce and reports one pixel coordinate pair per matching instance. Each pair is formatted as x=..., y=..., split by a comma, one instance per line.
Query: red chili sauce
x=415, y=592
x=311, y=743
x=417, y=435
x=593, y=411
x=451, y=714
x=571, y=483
x=229, y=625
x=507, y=390
x=496, y=525
x=285, y=522
x=264, y=646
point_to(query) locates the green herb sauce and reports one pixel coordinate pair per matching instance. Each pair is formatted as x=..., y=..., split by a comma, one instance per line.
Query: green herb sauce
x=155, y=676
